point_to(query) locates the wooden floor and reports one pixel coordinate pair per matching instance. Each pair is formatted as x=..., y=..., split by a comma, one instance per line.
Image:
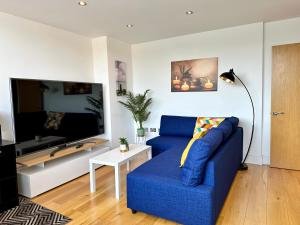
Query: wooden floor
x=259, y=196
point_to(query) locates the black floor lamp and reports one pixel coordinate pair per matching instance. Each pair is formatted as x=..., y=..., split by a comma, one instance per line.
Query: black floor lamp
x=229, y=77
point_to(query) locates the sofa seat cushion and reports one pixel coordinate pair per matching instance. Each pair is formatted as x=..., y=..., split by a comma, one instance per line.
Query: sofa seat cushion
x=193, y=170
x=163, y=167
x=162, y=143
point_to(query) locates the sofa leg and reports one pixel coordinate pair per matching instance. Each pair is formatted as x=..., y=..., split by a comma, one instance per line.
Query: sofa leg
x=133, y=211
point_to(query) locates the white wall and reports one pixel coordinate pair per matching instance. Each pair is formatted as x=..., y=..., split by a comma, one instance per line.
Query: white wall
x=121, y=119
x=100, y=62
x=118, y=122
x=276, y=33
x=33, y=50
x=240, y=48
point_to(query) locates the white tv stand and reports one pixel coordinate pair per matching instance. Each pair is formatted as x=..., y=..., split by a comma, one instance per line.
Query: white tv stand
x=36, y=179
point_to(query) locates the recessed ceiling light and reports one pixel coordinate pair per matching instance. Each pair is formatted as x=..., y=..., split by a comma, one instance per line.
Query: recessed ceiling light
x=129, y=25
x=82, y=3
x=189, y=12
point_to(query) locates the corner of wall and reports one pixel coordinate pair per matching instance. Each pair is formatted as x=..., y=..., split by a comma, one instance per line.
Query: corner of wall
x=106, y=51
x=100, y=64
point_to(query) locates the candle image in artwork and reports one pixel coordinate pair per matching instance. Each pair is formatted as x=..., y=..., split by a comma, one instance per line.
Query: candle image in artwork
x=198, y=75
x=176, y=81
x=185, y=87
x=209, y=85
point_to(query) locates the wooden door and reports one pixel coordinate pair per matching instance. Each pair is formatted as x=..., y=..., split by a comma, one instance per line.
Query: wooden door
x=285, y=131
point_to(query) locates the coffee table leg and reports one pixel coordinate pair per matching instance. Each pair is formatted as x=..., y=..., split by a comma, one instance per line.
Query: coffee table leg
x=117, y=181
x=149, y=153
x=92, y=178
x=128, y=165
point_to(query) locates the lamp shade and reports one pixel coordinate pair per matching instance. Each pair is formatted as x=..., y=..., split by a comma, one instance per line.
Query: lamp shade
x=228, y=76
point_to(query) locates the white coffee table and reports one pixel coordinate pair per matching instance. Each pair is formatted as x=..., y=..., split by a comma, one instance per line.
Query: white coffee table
x=116, y=158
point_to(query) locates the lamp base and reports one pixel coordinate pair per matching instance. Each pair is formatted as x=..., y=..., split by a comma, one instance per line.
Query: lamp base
x=243, y=167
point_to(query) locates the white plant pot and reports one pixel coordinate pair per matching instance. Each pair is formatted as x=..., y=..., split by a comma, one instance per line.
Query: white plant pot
x=123, y=148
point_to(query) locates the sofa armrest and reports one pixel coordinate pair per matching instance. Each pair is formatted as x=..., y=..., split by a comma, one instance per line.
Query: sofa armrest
x=223, y=166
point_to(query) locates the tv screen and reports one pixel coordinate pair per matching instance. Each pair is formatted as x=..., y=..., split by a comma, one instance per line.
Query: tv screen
x=54, y=113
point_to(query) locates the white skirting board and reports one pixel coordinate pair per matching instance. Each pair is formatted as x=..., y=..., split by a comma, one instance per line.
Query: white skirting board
x=35, y=180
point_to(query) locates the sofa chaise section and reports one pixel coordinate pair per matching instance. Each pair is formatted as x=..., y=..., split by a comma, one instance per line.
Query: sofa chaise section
x=156, y=188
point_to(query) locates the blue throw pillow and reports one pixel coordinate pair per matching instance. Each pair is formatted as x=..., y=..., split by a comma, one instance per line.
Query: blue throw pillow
x=193, y=171
x=226, y=128
x=234, y=122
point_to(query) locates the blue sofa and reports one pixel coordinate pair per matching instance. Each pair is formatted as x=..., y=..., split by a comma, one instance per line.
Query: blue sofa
x=156, y=187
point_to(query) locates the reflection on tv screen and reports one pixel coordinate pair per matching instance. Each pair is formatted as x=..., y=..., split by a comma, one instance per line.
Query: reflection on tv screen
x=52, y=113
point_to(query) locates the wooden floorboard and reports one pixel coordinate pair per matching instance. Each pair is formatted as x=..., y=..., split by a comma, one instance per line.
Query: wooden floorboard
x=259, y=196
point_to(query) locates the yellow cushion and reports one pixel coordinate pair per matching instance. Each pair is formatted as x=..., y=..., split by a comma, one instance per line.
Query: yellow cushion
x=202, y=126
x=189, y=145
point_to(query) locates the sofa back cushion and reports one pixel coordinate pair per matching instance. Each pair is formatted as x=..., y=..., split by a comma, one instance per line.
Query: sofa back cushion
x=194, y=167
x=234, y=122
x=226, y=128
x=177, y=126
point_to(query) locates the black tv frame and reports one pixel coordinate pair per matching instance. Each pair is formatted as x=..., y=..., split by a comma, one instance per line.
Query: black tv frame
x=56, y=148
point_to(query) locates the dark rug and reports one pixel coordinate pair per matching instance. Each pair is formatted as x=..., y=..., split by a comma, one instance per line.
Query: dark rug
x=30, y=213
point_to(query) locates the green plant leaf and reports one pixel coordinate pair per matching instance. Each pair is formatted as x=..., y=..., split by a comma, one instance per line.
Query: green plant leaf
x=138, y=105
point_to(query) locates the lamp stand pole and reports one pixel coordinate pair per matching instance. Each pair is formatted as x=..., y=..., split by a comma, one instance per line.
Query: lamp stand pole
x=243, y=165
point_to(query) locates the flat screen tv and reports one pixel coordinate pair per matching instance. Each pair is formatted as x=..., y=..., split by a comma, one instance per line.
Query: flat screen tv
x=54, y=114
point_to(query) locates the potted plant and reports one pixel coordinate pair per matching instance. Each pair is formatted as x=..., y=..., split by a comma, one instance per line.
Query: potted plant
x=124, y=147
x=138, y=105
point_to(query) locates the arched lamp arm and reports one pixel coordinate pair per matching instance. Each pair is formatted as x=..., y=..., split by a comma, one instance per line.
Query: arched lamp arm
x=253, y=120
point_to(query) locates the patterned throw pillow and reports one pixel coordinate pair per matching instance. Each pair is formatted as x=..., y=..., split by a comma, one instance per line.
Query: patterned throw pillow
x=54, y=120
x=202, y=126
x=200, y=131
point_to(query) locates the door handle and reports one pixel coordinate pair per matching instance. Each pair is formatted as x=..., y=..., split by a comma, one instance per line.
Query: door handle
x=277, y=113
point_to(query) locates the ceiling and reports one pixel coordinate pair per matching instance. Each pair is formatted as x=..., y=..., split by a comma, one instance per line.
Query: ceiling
x=152, y=19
